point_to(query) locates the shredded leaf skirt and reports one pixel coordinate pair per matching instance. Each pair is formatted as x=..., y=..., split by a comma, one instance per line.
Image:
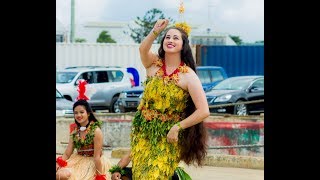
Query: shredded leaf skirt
x=153, y=158
x=82, y=167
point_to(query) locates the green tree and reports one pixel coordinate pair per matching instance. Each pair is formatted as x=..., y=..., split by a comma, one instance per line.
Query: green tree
x=259, y=42
x=104, y=37
x=145, y=25
x=236, y=39
x=80, y=40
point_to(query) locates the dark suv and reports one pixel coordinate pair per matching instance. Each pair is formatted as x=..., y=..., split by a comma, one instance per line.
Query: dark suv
x=209, y=76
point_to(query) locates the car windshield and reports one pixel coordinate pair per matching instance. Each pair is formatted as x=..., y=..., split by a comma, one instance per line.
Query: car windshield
x=58, y=94
x=65, y=77
x=233, y=84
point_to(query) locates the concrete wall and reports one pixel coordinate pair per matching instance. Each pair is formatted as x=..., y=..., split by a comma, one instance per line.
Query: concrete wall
x=223, y=131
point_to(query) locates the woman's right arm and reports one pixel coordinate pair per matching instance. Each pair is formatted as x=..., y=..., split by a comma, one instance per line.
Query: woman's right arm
x=67, y=153
x=124, y=161
x=146, y=55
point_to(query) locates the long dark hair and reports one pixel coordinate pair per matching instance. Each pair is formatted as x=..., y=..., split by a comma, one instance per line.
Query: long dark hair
x=194, y=141
x=86, y=105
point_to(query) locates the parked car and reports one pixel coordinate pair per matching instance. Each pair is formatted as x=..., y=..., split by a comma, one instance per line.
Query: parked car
x=63, y=106
x=104, y=84
x=236, y=90
x=129, y=99
x=209, y=76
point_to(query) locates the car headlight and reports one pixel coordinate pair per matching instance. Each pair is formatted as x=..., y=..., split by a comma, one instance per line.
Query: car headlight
x=210, y=100
x=223, y=98
x=123, y=95
x=141, y=95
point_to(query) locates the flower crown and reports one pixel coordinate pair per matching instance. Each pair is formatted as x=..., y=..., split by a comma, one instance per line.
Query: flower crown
x=182, y=24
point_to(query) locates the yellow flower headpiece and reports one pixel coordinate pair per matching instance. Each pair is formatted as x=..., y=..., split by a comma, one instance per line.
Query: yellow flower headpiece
x=183, y=25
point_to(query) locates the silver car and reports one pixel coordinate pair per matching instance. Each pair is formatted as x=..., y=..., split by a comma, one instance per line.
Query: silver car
x=103, y=88
x=63, y=106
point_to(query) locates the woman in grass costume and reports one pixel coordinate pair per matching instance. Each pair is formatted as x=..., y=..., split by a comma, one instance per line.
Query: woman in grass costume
x=168, y=125
x=88, y=161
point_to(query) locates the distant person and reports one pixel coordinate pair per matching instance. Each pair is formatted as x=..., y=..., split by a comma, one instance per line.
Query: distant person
x=88, y=162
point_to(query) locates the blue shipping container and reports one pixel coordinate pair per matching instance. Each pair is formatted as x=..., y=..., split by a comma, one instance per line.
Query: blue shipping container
x=236, y=60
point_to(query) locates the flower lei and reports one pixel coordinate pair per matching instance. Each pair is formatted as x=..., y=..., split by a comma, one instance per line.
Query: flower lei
x=88, y=139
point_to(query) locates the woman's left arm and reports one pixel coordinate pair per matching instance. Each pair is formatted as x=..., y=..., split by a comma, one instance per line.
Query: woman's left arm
x=98, y=141
x=199, y=99
x=195, y=89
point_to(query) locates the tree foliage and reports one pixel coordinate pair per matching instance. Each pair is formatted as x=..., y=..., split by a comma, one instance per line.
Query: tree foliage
x=145, y=25
x=236, y=39
x=105, y=37
x=80, y=40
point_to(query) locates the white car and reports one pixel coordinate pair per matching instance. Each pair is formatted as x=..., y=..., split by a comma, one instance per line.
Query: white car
x=63, y=106
x=103, y=88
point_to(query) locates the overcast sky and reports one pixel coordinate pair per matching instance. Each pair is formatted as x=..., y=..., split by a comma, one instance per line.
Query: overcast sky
x=244, y=18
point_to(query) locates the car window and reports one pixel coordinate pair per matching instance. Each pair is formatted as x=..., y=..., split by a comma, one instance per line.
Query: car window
x=216, y=75
x=233, y=84
x=88, y=76
x=58, y=94
x=259, y=84
x=115, y=76
x=65, y=77
x=102, y=76
x=204, y=76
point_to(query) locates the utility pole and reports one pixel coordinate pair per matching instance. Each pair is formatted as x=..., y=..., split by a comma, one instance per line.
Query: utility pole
x=72, y=22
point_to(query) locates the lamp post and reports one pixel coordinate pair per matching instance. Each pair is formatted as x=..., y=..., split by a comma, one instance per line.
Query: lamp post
x=72, y=22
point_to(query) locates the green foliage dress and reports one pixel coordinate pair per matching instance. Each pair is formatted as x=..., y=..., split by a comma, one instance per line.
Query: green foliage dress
x=162, y=105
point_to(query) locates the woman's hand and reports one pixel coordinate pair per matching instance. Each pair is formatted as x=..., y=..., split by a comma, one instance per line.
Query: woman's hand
x=116, y=176
x=172, y=135
x=160, y=25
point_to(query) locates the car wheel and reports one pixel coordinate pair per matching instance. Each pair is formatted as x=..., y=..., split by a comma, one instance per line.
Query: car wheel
x=240, y=109
x=116, y=107
x=113, y=105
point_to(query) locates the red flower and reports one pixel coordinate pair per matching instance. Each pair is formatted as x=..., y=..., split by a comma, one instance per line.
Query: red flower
x=61, y=162
x=101, y=177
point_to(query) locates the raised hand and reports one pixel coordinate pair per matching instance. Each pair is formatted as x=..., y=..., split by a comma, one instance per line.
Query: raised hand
x=160, y=25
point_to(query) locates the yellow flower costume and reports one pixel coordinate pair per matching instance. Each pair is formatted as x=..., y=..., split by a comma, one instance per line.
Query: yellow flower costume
x=162, y=105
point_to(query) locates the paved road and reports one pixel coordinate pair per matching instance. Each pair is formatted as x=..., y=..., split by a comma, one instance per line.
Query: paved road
x=215, y=173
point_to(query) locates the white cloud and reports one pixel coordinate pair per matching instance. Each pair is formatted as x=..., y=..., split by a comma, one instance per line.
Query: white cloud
x=242, y=17
x=248, y=11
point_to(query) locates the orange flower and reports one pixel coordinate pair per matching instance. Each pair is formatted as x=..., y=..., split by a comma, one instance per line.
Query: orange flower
x=175, y=78
x=160, y=73
x=183, y=68
x=158, y=62
x=166, y=79
x=163, y=117
x=181, y=8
